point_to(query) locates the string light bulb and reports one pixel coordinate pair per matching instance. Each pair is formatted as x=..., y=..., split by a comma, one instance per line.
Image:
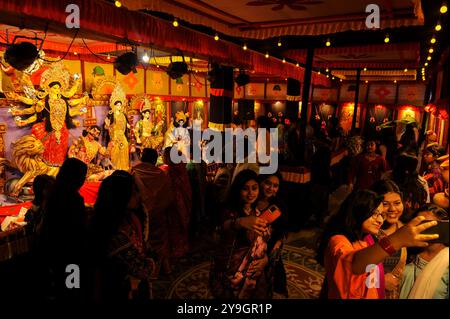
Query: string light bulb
x=431, y=50
x=216, y=37
x=438, y=27
x=244, y=47
x=109, y=57
x=267, y=55
x=386, y=39
x=175, y=23
x=367, y=81
x=340, y=80
x=284, y=60
x=426, y=64
x=279, y=43
x=443, y=8
x=395, y=81
x=297, y=65
x=433, y=40
x=365, y=69
x=327, y=70
x=75, y=53
x=405, y=70
x=328, y=43
x=118, y=4
x=145, y=58
x=429, y=58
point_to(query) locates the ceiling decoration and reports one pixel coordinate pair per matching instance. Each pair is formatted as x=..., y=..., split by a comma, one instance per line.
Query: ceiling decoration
x=376, y=75
x=368, y=56
x=262, y=19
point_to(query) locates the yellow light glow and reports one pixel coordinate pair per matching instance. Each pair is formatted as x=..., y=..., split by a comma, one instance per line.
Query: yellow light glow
x=438, y=27
x=216, y=37
x=327, y=70
x=118, y=4
x=443, y=8
x=386, y=39
x=175, y=23
x=405, y=70
x=426, y=64
x=433, y=40
x=284, y=60
x=267, y=55
x=367, y=81
x=328, y=43
x=279, y=43
x=431, y=50
x=244, y=47
x=429, y=58
x=395, y=81
x=297, y=65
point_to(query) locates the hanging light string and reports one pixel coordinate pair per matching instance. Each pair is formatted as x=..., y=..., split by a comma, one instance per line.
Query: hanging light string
x=65, y=54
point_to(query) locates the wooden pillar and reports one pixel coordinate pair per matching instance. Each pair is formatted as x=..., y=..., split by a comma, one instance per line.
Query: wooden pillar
x=355, y=109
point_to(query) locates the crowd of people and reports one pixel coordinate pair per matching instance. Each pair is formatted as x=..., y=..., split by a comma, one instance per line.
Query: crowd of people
x=380, y=244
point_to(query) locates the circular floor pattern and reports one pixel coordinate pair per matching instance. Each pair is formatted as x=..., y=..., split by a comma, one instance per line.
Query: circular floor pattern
x=304, y=277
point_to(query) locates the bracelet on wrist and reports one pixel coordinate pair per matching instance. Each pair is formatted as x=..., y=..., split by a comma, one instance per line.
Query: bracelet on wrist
x=386, y=244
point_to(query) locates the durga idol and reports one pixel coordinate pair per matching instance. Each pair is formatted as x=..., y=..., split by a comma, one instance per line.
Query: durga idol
x=52, y=110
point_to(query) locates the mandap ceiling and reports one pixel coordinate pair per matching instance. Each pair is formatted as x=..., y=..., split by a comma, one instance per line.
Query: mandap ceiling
x=261, y=19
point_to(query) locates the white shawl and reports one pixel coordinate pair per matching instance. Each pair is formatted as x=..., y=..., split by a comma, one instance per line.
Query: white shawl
x=428, y=280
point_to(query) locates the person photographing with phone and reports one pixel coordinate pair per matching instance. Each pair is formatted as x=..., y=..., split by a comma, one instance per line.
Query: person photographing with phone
x=241, y=262
x=426, y=277
x=274, y=211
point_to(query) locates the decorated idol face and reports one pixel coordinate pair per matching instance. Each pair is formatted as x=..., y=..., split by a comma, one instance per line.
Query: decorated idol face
x=146, y=114
x=94, y=133
x=118, y=107
x=55, y=88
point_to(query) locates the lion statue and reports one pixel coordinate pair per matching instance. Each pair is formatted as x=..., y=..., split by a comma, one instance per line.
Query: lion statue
x=27, y=154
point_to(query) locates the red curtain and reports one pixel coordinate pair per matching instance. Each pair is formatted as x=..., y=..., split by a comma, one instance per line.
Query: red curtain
x=104, y=19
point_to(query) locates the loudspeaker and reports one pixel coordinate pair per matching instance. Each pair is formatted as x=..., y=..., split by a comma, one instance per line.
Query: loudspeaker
x=21, y=56
x=246, y=109
x=126, y=63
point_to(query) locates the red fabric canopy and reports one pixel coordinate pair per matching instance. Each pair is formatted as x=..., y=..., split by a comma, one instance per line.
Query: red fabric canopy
x=103, y=18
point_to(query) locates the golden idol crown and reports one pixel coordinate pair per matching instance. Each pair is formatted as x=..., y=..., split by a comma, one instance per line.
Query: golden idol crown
x=118, y=94
x=57, y=72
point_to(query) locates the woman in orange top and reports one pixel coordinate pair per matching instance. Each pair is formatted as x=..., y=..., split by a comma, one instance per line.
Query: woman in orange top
x=351, y=252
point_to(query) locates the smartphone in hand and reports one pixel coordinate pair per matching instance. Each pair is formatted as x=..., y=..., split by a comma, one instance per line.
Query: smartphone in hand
x=271, y=214
x=442, y=228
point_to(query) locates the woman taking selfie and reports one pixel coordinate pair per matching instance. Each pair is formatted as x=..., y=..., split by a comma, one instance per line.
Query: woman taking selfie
x=352, y=257
x=393, y=209
x=269, y=186
x=239, y=268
